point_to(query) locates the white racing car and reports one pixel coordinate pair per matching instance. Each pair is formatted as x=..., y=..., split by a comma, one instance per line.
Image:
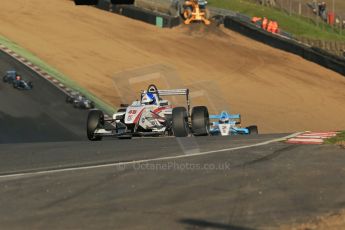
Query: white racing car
x=151, y=116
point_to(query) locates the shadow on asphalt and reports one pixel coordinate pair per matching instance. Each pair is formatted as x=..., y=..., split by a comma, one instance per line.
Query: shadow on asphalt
x=200, y=224
x=32, y=129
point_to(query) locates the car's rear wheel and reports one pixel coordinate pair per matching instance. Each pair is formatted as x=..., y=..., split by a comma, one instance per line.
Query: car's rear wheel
x=200, y=121
x=68, y=99
x=253, y=130
x=4, y=79
x=121, y=110
x=95, y=120
x=180, y=126
x=92, y=105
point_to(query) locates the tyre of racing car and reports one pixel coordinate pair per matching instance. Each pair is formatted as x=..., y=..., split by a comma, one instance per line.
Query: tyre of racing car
x=15, y=85
x=4, y=79
x=69, y=99
x=76, y=105
x=95, y=120
x=180, y=126
x=121, y=117
x=253, y=130
x=30, y=85
x=200, y=121
x=121, y=110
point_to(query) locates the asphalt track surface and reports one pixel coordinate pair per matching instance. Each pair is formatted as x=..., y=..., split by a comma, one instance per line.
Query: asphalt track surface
x=38, y=115
x=249, y=188
x=52, y=178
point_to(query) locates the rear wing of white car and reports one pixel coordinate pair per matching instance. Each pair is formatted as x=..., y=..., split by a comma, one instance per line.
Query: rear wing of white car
x=171, y=92
x=174, y=92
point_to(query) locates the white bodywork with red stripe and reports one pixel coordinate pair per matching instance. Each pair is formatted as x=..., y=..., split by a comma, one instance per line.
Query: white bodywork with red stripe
x=147, y=116
x=144, y=117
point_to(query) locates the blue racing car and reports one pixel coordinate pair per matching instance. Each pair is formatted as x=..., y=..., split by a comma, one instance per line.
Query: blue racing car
x=226, y=124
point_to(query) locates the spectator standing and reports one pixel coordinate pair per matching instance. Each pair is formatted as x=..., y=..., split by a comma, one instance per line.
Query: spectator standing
x=337, y=22
x=315, y=6
x=322, y=11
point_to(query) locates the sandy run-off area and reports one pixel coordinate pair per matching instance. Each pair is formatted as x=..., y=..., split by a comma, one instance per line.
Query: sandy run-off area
x=278, y=91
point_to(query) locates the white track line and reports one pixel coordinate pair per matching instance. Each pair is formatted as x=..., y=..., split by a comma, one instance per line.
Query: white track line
x=29, y=174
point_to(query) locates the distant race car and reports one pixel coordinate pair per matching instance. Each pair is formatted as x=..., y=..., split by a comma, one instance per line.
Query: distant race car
x=229, y=124
x=79, y=101
x=22, y=84
x=12, y=77
x=151, y=116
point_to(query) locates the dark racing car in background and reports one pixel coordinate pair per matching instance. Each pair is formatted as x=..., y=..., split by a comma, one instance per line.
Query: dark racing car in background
x=12, y=77
x=79, y=101
x=22, y=84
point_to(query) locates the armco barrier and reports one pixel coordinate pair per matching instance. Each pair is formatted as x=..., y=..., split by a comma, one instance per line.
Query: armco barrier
x=325, y=53
x=150, y=17
x=311, y=54
x=104, y=5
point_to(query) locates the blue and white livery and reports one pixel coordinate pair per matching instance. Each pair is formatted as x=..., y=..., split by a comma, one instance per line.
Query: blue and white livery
x=226, y=124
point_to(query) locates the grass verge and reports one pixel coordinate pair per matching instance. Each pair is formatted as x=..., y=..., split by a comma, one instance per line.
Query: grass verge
x=293, y=24
x=340, y=138
x=55, y=73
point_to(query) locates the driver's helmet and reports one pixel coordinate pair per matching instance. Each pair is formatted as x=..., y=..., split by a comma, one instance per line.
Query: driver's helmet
x=223, y=120
x=148, y=99
x=18, y=78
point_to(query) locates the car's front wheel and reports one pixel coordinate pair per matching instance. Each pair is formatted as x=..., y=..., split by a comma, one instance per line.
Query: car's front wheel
x=95, y=120
x=253, y=130
x=200, y=121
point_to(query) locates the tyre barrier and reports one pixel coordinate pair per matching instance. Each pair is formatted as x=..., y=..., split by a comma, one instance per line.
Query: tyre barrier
x=322, y=58
x=330, y=55
x=86, y=2
x=96, y=2
x=154, y=18
x=103, y=5
x=126, y=8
